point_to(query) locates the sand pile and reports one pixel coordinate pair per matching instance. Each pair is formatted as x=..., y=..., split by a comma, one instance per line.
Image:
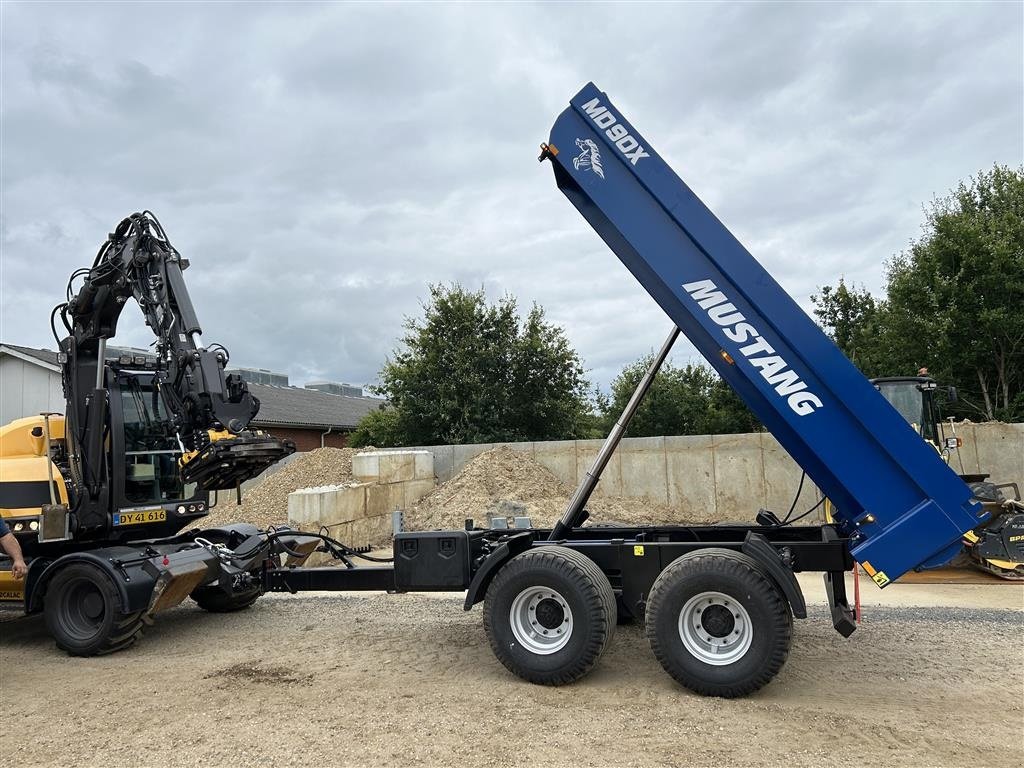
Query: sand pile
x=266, y=503
x=502, y=482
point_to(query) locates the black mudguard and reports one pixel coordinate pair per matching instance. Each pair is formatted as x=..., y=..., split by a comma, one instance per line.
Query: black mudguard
x=489, y=568
x=756, y=546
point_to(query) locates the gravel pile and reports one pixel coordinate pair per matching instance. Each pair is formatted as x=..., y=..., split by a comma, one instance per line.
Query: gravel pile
x=504, y=483
x=267, y=502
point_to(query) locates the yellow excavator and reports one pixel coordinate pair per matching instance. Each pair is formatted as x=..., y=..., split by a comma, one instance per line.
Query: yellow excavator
x=97, y=496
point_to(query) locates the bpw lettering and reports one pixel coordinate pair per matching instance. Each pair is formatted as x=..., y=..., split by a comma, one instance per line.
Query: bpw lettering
x=614, y=130
x=776, y=371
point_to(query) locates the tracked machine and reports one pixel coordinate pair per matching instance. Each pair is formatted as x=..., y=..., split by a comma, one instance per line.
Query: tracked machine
x=718, y=602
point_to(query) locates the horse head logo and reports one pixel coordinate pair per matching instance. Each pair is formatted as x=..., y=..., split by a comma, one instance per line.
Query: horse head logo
x=589, y=157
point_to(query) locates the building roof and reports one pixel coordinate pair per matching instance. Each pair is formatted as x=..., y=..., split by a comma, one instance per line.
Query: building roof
x=46, y=357
x=279, y=406
x=307, y=408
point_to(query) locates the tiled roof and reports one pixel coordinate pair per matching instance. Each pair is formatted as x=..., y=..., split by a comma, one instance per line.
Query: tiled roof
x=295, y=407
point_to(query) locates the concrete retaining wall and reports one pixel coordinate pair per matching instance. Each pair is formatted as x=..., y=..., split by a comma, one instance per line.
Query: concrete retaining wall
x=359, y=513
x=730, y=475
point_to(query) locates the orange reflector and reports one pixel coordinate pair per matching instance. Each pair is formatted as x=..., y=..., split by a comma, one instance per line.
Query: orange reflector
x=727, y=357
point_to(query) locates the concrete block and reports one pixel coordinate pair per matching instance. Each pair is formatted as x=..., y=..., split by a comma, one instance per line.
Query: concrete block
x=423, y=465
x=397, y=467
x=782, y=478
x=294, y=509
x=344, y=504
x=643, y=468
x=690, y=466
x=384, y=499
x=522, y=447
x=416, y=490
x=304, y=506
x=371, y=531
x=739, y=476
x=1000, y=449
x=444, y=462
x=376, y=500
x=343, y=532
x=559, y=457
x=366, y=466
x=360, y=534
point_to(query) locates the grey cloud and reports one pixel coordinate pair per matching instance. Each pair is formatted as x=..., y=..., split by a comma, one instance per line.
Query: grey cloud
x=321, y=164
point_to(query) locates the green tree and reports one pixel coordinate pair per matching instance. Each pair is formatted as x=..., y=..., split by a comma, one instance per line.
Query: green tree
x=470, y=372
x=852, y=318
x=953, y=301
x=956, y=297
x=688, y=400
x=378, y=427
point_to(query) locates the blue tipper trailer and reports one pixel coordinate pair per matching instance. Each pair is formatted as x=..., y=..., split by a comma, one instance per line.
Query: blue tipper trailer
x=717, y=601
x=894, y=497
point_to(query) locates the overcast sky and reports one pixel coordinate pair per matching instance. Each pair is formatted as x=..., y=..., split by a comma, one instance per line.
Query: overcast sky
x=321, y=164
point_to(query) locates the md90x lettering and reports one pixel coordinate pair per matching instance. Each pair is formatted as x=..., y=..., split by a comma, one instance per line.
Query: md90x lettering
x=614, y=130
x=776, y=371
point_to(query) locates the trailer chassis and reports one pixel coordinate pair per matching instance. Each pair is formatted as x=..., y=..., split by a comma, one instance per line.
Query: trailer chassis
x=631, y=559
x=718, y=601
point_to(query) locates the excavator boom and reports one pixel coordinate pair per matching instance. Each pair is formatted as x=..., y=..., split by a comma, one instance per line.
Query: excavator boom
x=208, y=411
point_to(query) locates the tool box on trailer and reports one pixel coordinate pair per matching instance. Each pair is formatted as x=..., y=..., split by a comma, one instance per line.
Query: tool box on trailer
x=436, y=560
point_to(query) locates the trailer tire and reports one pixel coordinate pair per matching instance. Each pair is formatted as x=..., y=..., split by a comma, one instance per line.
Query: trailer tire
x=549, y=614
x=216, y=600
x=82, y=609
x=735, y=648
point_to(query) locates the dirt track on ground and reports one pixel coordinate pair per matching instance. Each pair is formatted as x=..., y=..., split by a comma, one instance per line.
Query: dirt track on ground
x=410, y=680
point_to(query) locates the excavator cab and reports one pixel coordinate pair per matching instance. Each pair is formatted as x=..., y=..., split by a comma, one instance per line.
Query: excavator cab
x=149, y=452
x=917, y=400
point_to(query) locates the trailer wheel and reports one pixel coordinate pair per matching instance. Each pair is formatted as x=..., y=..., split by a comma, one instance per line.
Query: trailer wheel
x=83, y=612
x=718, y=623
x=549, y=614
x=216, y=600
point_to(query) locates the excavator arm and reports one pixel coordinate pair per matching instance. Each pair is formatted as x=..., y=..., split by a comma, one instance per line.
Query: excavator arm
x=209, y=411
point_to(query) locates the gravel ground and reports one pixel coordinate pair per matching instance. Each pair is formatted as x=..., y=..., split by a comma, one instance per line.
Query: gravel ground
x=410, y=680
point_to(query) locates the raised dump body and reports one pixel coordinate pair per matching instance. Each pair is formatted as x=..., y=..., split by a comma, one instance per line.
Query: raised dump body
x=899, y=503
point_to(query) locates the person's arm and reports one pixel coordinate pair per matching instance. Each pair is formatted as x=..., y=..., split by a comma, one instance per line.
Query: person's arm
x=13, y=549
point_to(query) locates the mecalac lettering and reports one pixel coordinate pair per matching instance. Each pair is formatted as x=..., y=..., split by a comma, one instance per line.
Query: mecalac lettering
x=776, y=371
x=614, y=130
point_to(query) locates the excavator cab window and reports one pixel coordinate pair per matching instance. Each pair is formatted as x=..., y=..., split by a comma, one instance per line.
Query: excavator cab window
x=915, y=401
x=151, y=450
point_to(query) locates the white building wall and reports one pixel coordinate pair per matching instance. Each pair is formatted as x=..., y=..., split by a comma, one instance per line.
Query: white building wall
x=27, y=389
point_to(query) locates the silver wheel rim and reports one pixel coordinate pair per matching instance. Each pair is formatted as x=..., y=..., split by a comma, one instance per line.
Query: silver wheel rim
x=708, y=635
x=541, y=620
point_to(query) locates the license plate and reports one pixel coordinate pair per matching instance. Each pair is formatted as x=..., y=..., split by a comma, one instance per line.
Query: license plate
x=137, y=518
